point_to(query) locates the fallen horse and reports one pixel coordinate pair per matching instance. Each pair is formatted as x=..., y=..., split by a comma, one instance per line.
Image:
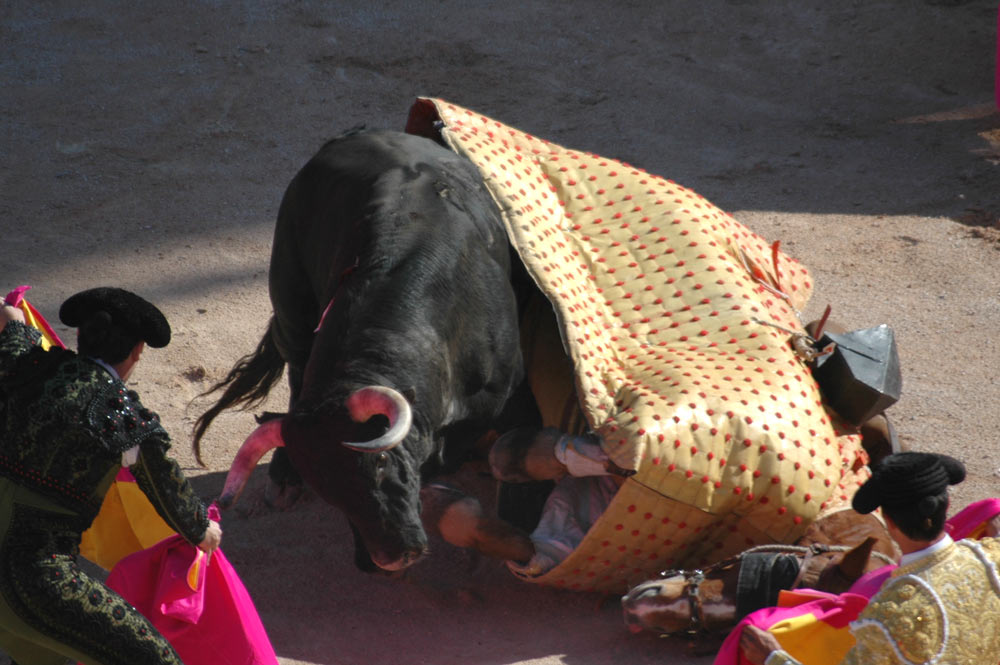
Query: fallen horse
x=708, y=603
x=672, y=318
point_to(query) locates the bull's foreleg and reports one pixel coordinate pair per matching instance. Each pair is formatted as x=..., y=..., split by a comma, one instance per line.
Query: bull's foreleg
x=459, y=519
x=285, y=484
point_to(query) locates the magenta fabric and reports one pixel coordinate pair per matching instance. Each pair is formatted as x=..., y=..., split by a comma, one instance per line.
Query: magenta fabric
x=16, y=295
x=836, y=610
x=214, y=624
x=868, y=584
x=965, y=522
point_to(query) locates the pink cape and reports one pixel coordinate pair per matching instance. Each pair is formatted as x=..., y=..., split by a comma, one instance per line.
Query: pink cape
x=32, y=316
x=197, y=602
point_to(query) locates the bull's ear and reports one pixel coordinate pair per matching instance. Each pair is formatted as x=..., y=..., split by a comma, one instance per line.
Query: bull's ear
x=854, y=562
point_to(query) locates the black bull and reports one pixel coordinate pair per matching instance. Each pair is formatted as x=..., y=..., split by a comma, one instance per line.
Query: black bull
x=396, y=310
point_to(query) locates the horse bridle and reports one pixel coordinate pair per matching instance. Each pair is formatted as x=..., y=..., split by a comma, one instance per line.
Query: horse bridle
x=696, y=613
x=805, y=577
x=692, y=588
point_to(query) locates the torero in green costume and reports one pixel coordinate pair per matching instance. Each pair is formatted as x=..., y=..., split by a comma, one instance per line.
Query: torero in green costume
x=67, y=425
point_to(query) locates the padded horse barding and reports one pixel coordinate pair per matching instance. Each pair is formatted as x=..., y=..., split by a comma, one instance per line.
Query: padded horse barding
x=667, y=308
x=762, y=576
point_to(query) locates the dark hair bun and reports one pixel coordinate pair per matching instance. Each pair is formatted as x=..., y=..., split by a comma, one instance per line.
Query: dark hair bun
x=906, y=479
x=929, y=505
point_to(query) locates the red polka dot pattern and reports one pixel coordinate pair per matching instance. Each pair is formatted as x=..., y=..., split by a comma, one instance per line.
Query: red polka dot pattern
x=666, y=305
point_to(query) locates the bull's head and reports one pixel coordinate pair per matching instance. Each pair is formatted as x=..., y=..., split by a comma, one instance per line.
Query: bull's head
x=351, y=463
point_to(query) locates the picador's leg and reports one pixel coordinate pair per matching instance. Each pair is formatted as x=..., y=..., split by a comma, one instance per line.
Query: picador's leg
x=878, y=437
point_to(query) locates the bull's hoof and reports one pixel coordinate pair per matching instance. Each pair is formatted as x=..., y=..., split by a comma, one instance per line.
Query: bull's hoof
x=526, y=454
x=282, y=496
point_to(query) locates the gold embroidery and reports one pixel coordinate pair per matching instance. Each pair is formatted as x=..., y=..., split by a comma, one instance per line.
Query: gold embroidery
x=943, y=608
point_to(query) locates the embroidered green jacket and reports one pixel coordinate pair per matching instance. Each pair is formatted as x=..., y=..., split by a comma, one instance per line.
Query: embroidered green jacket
x=65, y=423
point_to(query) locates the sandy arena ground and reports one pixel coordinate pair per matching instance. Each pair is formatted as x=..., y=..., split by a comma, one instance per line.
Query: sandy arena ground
x=149, y=145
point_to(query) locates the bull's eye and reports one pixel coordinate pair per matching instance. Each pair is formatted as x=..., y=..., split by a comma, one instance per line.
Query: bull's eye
x=381, y=462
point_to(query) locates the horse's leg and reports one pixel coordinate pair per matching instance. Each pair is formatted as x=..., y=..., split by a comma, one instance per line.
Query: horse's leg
x=459, y=519
x=525, y=454
x=529, y=453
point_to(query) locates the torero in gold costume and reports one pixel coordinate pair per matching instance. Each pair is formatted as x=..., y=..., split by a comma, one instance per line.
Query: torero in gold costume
x=941, y=606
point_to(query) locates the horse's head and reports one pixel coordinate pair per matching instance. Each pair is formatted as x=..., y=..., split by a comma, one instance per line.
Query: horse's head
x=843, y=569
x=838, y=568
x=684, y=601
x=661, y=605
x=710, y=601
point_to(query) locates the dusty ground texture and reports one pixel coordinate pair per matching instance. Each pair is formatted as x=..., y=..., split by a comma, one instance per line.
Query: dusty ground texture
x=149, y=147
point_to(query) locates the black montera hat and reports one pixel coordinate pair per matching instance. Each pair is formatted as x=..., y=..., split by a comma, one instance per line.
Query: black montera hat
x=127, y=310
x=904, y=479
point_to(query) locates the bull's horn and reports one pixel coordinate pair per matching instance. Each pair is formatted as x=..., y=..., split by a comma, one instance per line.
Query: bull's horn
x=380, y=400
x=263, y=439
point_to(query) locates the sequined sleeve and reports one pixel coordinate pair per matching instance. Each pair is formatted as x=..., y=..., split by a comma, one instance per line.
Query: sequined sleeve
x=16, y=339
x=162, y=480
x=872, y=648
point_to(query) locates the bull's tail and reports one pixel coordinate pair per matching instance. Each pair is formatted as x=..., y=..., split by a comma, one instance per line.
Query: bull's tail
x=246, y=386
